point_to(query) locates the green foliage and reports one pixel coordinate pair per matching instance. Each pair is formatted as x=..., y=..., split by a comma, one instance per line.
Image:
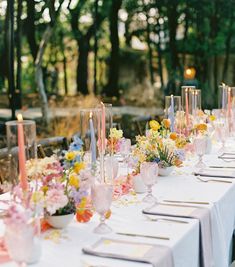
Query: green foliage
x=182, y=33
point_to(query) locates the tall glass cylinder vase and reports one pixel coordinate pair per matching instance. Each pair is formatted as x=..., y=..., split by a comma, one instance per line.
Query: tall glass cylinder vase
x=172, y=105
x=195, y=104
x=185, y=95
x=90, y=123
x=223, y=98
x=21, y=143
x=109, y=167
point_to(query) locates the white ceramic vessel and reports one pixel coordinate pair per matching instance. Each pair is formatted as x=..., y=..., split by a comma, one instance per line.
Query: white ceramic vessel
x=60, y=221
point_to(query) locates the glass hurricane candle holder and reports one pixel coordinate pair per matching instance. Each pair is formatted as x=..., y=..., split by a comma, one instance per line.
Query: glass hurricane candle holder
x=90, y=123
x=172, y=105
x=195, y=102
x=21, y=144
x=106, y=154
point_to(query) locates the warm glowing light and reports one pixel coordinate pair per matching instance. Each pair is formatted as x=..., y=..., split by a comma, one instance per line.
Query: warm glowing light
x=90, y=115
x=19, y=117
x=188, y=71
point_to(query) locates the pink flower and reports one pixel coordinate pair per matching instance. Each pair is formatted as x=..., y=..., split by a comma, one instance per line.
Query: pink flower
x=55, y=199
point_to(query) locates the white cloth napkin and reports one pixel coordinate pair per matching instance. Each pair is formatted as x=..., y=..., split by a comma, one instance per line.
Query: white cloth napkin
x=221, y=173
x=190, y=211
x=157, y=255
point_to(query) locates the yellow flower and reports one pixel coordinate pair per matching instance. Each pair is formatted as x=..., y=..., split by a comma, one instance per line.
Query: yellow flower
x=44, y=189
x=180, y=143
x=78, y=166
x=114, y=133
x=74, y=180
x=70, y=155
x=37, y=197
x=166, y=123
x=154, y=125
x=212, y=118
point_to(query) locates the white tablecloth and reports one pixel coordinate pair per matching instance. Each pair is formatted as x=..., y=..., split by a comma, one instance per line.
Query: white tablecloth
x=184, y=238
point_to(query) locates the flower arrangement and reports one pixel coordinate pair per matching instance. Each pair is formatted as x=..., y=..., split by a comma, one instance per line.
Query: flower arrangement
x=114, y=140
x=62, y=184
x=159, y=145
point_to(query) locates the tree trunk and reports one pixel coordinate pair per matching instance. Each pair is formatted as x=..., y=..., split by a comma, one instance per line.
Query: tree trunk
x=159, y=52
x=95, y=48
x=174, y=62
x=65, y=74
x=39, y=74
x=227, y=49
x=18, y=53
x=10, y=55
x=150, y=51
x=3, y=53
x=112, y=88
x=82, y=67
x=30, y=28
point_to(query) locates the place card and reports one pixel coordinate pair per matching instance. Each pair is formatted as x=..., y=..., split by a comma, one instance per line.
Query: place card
x=119, y=247
x=157, y=255
x=224, y=173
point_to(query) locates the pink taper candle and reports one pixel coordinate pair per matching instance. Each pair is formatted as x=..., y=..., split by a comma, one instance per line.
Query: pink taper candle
x=21, y=154
x=103, y=137
x=229, y=103
x=186, y=106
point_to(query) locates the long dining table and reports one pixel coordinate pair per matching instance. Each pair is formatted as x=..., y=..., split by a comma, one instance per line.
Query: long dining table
x=64, y=247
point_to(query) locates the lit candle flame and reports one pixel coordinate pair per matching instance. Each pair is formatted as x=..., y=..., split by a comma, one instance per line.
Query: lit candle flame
x=19, y=117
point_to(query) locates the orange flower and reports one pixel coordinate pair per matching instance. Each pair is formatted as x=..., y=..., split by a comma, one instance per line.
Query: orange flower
x=173, y=136
x=166, y=123
x=202, y=127
x=84, y=216
x=178, y=163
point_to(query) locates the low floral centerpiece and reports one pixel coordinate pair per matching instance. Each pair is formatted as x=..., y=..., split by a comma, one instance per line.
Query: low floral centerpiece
x=160, y=146
x=62, y=184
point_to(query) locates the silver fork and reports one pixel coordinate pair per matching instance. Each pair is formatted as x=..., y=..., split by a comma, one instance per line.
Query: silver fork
x=212, y=180
x=162, y=219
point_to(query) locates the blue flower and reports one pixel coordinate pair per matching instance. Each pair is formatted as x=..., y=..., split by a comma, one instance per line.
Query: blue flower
x=76, y=144
x=156, y=160
x=78, y=195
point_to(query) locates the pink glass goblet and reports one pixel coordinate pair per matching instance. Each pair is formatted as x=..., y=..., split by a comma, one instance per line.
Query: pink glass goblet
x=149, y=172
x=200, y=145
x=101, y=195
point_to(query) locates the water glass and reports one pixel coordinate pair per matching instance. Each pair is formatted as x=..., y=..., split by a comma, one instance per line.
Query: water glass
x=101, y=195
x=19, y=243
x=200, y=145
x=149, y=172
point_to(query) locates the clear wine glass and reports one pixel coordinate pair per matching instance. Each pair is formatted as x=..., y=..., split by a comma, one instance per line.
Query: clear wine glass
x=149, y=172
x=101, y=195
x=19, y=243
x=125, y=150
x=200, y=145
